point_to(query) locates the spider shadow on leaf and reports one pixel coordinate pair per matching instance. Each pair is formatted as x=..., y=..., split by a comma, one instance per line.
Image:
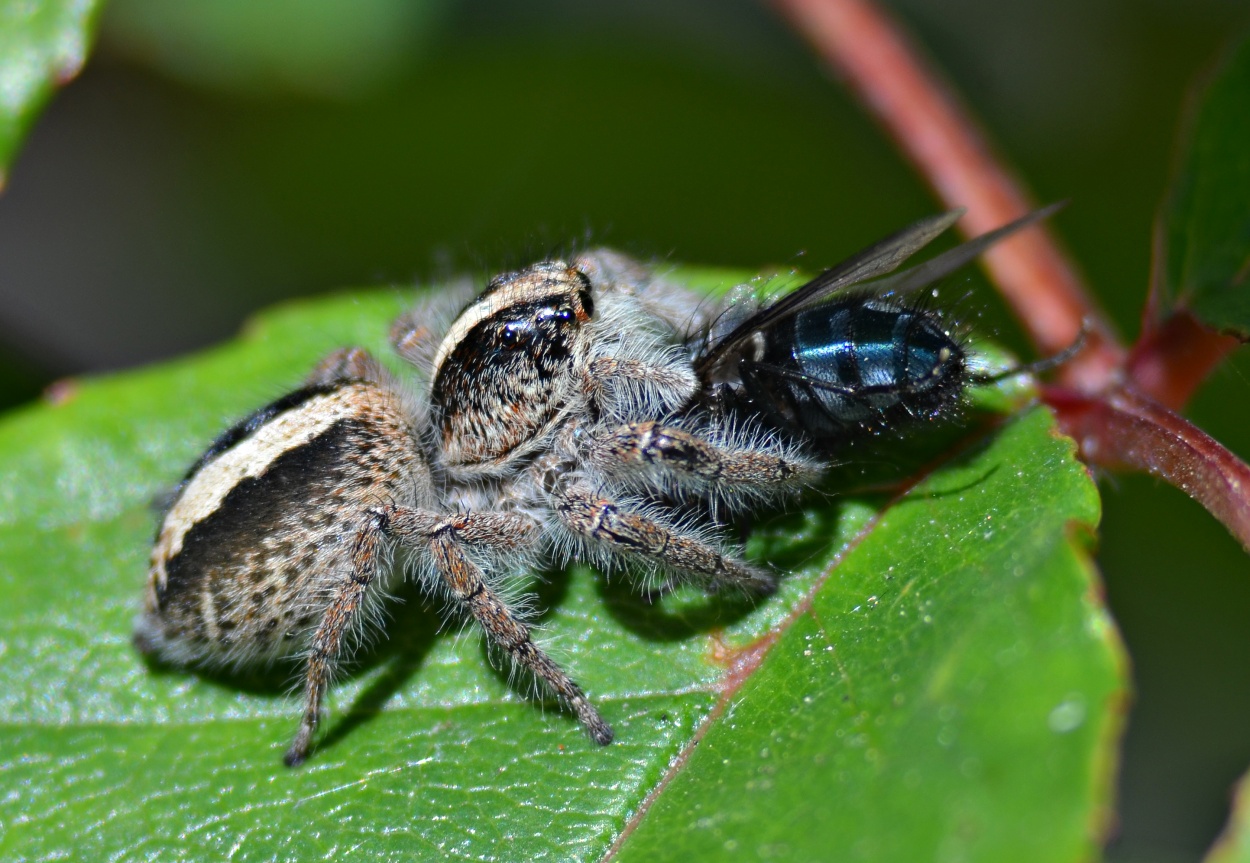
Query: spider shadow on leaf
x=672, y=612
x=411, y=630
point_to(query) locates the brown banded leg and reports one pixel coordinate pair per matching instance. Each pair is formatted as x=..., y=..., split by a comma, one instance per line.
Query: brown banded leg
x=496, y=531
x=676, y=451
x=601, y=520
x=468, y=587
x=443, y=534
x=500, y=531
x=409, y=334
x=345, y=364
x=327, y=641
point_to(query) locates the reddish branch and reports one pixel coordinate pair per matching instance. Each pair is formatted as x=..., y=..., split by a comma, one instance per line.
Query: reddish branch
x=918, y=109
x=1174, y=353
x=1171, y=359
x=1124, y=429
x=1118, y=404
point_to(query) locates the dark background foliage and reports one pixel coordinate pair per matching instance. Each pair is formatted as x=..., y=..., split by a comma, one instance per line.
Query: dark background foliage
x=192, y=174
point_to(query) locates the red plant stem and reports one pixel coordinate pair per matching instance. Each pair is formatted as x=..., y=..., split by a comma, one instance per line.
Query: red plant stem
x=869, y=49
x=1175, y=352
x=1169, y=361
x=1124, y=429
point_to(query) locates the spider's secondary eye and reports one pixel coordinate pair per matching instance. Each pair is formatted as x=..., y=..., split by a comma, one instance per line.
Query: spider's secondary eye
x=559, y=315
x=588, y=302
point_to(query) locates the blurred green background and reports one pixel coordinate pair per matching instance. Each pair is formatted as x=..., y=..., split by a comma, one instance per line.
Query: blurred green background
x=215, y=157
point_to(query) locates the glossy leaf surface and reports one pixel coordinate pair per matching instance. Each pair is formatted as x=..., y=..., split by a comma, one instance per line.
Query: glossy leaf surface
x=941, y=676
x=948, y=692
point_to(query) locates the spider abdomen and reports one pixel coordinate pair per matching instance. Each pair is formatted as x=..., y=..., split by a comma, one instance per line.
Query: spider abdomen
x=246, y=557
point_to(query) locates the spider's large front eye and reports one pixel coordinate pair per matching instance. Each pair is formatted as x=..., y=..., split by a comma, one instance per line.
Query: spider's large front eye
x=515, y=333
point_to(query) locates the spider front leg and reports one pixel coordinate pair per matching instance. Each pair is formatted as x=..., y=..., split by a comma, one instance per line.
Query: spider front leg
x=625, y=386
x=618, y=530
x=469, y=587
x=676, y=457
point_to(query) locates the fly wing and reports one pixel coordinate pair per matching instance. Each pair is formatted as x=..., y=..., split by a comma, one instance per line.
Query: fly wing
x=943, y=265
x=878, y=259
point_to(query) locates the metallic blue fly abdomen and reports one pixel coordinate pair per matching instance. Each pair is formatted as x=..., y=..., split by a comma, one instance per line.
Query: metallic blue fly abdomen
x=856, y=364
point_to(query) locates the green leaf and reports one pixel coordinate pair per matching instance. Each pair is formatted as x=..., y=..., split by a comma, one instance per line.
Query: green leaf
x=43, y=43
x=940, y=677
x=950, y=691
x=1233, y=846
x=1206, y=223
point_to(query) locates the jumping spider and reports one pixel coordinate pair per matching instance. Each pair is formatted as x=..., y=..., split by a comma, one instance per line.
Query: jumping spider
x=576, y=411
x=558, y=426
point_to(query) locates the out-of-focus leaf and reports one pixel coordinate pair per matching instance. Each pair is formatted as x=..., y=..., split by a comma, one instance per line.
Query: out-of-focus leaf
x=316, y=47
x=1233, y=845
x=43, y=43
x=1206, y=223
x=943, y=657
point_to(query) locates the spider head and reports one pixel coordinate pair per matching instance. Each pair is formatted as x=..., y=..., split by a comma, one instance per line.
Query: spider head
x=504, y=372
